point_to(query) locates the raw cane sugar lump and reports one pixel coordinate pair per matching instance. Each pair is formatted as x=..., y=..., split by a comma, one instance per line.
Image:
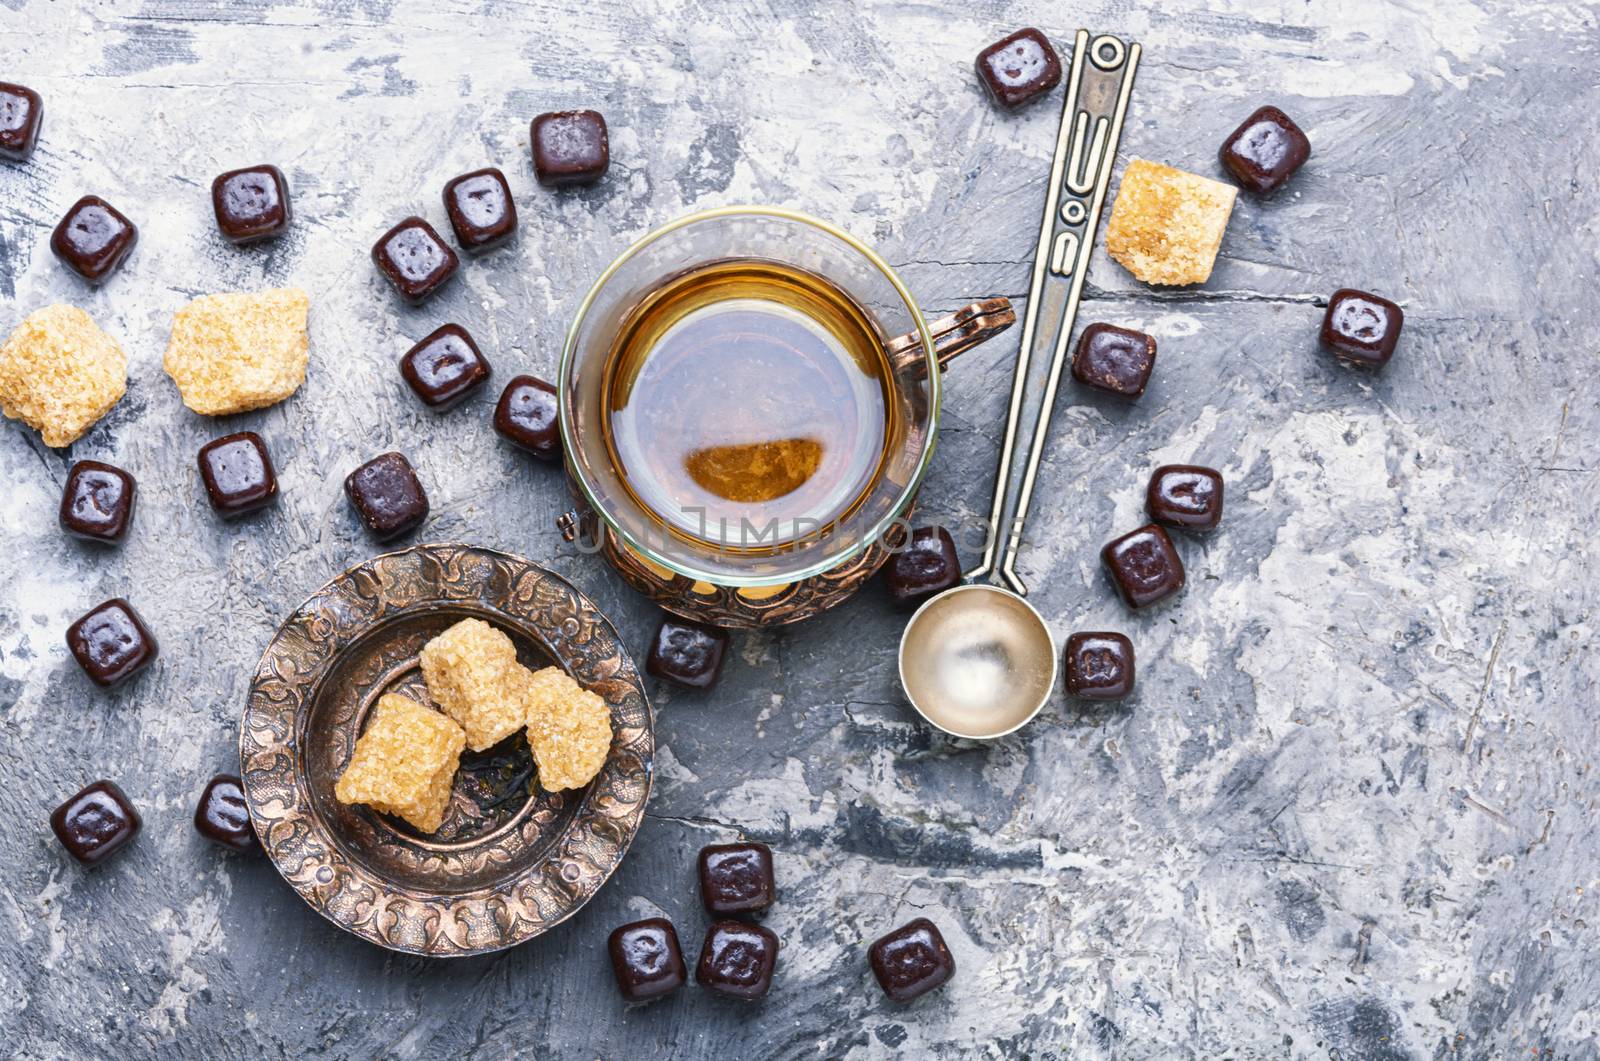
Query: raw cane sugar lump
x=1167, y=225
x=59, y=373
x=569, y=730
x=405, y=763
x=233, y=352
x=473, y=674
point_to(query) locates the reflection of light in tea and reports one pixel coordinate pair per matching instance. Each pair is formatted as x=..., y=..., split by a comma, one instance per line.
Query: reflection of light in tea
x=748, y=394
x=757, y=471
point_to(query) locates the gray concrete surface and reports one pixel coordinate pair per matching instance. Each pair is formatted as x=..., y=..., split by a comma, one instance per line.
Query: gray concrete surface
x=1350, y=813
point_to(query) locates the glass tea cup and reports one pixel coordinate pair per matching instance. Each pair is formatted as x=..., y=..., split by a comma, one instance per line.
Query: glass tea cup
x=806, y=544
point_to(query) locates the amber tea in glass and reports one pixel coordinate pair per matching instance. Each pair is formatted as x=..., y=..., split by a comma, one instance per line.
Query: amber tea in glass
x=747, y=403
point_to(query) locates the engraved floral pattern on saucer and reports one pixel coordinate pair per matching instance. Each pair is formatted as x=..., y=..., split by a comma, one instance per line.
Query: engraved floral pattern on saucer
x=510, y=860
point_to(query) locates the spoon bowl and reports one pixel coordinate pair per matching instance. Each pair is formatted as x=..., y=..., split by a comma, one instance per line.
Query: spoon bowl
x=977, y=661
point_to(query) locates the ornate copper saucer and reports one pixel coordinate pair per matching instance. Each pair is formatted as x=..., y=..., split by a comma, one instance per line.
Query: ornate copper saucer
x=510, y=860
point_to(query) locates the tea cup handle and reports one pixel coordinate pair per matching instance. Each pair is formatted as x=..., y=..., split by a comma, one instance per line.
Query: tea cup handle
x=952, y=335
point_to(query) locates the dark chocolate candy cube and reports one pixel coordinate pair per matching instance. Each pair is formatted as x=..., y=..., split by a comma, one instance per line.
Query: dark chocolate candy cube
x=1099, y=666
x=1265, y=151
x=1020, y=68
x=736, y=878
x=387, y=496
x=96, y=823
x=444, y=367
x=1144, y=565
x=1362, y=328
x=686, y=653
x=570, y=147
x=646, y=959
x=93, y=239
x=481, y=210
x=528, y=415
x=21, y=111
x=912, y=960
x=414, y=258
x=238, y=474
x=737, y=959
x=97, y=503
x=111, y=643
x=925, y=566
x=1114, y=359
x=251, y=204
x=1186, y=496
x=223, y=816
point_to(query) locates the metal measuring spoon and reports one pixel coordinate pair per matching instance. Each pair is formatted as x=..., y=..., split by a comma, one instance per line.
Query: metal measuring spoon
x=977, y=660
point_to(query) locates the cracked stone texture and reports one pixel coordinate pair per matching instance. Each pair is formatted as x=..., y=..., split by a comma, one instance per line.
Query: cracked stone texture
x=1351, y=811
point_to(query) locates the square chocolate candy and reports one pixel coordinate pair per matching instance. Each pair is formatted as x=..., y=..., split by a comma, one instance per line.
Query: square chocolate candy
x=96, y=823
x=387, y=496
x=93, y=239
x=222, y=815
x=925, y=566
x=912, y=960
x=251, y=203
x=414, y=259
x=111, y=643
x=445, y=367
x=238, y=474
x=528, y=415
x=686, y=653
x=1114, y=359
x=480, y=209
x=1020, y=68
x=570, y=147
x=1265, y=151
x=1185, y=496
x=1362, y=328
x=1144, y=566
x=21, y=111
x=736, y=878
x=1099, y=666
x=646, y=959
x=97, y=503
x=737, y=959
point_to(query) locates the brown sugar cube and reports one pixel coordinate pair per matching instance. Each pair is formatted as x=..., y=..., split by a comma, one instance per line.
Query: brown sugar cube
x=569, y=730
x=473, y=674
x=59, y=373
x=405, y=763
x=1166, y=225
x=233, y=352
